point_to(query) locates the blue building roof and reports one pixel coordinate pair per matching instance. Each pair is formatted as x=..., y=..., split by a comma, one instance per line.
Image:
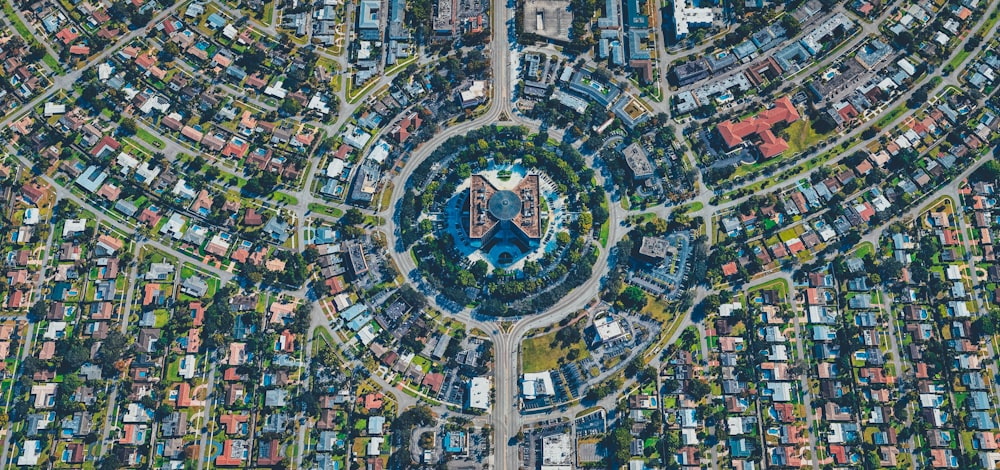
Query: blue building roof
x=368, y=18
x=353, y=312
x=453, y=442
x=216, y=21
x=358, y=323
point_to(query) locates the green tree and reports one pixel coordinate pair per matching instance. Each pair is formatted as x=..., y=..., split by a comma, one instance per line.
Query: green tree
x=128, y=127
x=353, y=216
x=633, y=298
x=290, y=107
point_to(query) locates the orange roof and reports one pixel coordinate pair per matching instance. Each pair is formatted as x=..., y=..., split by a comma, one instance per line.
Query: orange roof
x=67, y=35
x=240, y=255
x=289, y=341
x=373, y=401
x=48, y=350
x=145, y=61
x=729, y=268
x=734, y=133
x=233, y=422
x=184, y=395
x=197, y=313
x=194, y=340
x=150, y=292
x=110, y=192
x=224, y=459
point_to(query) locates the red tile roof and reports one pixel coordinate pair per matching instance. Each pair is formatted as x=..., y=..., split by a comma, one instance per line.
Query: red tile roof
x=760, y=125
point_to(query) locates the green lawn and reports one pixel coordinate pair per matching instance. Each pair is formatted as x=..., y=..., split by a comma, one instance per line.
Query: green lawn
x=605, y=233
x=268, y=14
x=957, y=61
x=8, y=8
x=891, y=116
x=387, y=195
x=281, y=197
x=781, y=285
x=541, y=353
x=326, y=210
x=149, y=138
x=864, y=249
x=800, y=136
x=692, y=207
x=53, y=63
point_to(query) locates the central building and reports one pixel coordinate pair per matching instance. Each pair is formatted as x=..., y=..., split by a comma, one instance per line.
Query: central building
x=504, y=214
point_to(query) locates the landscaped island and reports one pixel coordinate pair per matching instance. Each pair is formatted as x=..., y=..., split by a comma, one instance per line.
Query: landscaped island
x=502, y=220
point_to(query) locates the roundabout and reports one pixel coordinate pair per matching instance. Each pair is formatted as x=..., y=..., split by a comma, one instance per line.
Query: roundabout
x=498, y=221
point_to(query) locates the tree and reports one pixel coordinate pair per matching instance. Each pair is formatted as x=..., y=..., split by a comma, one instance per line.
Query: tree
x=619, y=442
x=353, y=216
x=262, y=184
x=128, y=127
x=73, y=357
x=112, y=350
x=697, y=389
x=917, y=99
x=585, y=222
x=633, y=298
x=111, y=462
x=38, y=311
x=169, y=51
x=290, y=107
x=212, y=173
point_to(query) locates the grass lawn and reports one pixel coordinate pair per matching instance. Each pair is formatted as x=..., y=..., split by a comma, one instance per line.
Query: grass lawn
x=693, y=207
x=801, y=136
x=423, y=362
x=605, y=227
x=281, y=197
x=781, y=285
x=891, y=116
x=268, y=14
x=386, y=195
x=326, y=210
x=957, y=61
x=8, y=8
x=400, y=66
x=657, y=309
x=149, y=138
x=540, y=354
x=53, y=64
x=864, y=249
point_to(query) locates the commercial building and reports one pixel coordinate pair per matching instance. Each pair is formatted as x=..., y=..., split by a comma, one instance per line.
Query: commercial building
x=607, y=330
x=510, y=211
x=445, y=20
x=769, y=145
x=557, y=453
x=536, y=385
x=479, y=393
x=549, y=19
x=638, y=162
x=654, y=248
x=686, y=17
x=368, y=20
